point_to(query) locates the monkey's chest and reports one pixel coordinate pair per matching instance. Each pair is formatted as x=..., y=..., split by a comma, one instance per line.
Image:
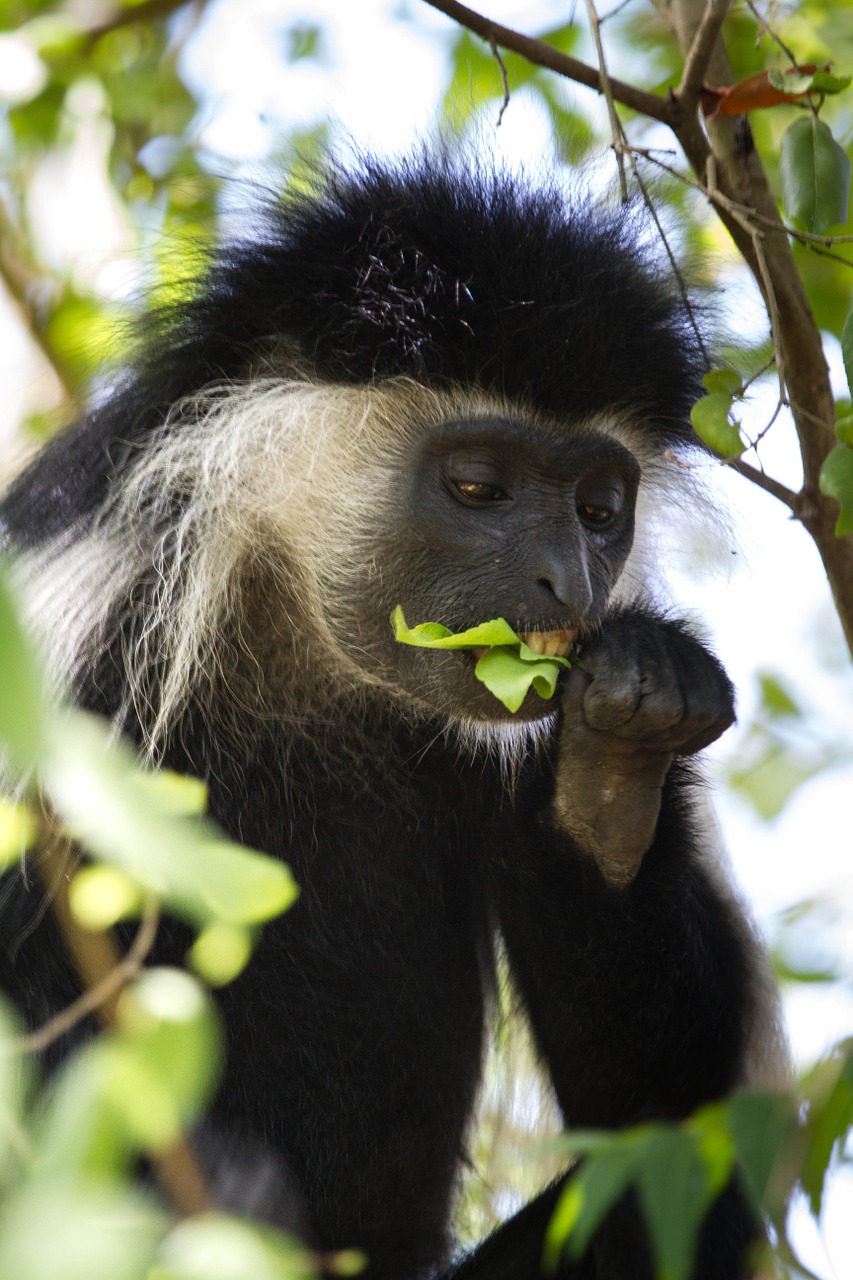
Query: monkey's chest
x=357, y=1032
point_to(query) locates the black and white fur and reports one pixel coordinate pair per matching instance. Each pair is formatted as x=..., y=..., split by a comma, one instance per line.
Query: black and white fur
x=212, y=555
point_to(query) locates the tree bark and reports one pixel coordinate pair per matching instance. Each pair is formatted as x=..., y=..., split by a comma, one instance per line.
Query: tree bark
x=738, y=179
x=740, y=176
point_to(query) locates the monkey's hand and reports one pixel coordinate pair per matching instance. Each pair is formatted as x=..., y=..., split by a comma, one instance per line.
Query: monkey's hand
x=647, y=692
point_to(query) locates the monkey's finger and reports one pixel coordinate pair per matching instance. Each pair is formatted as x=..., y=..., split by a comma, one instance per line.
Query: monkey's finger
x=575, y=686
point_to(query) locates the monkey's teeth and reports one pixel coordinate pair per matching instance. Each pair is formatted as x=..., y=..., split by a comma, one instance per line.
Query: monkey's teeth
x=550, y=644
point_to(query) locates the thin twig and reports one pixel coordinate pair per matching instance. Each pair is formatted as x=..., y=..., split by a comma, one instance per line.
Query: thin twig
x=808, y=238
x=103, y=991
x=777, y=39
x=700, y=52
x=813, y=417
x=826, y=253
x=673, y=261
x=773, y=312
x=764, y=272
x=542, y=54
x=95, y=957
x=504, y=79
x=607, y=90
x=617, y=9
x=753, y=444
x=759, y=373
x=22, y=283
x=774, y=487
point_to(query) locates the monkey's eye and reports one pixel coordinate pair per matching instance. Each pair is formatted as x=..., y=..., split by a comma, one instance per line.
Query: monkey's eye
x=594, y=517
x=479, y=492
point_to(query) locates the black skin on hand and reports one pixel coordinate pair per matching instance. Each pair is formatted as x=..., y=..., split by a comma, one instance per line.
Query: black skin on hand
x=644, y=692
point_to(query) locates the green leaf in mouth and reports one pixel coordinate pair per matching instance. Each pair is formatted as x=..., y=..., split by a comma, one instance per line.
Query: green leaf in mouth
x=508, y=668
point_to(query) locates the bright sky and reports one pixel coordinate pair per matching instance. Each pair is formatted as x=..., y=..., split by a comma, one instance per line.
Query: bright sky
x=770, y=607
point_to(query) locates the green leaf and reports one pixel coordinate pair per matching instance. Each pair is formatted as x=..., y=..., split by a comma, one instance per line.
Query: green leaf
x=175, y=794
x=100, y=896
x=775, y=699
x=815, y=175
x=509, y=675
x=22, y=711
x=54, y=34
x=847, y=349
x=565, y=37
x=710, y=418
x=217, y=1247
x=171, y=1026
x=790, y=82
x=304, y=41
x=137, y=1088
x=830, y=1117
x=760, y=1124
x=769, y=780
x=432, y=635
x=674, y=1194
x=64, y=1231
x=826, y=82
x=714, y=1144
x=723, y=382
x=18, y=831
x=35, y=124
x=836, y=480
x=220, y=953
x=79, y=1132
x=588, y=1196
x=84, y=333
x=844, y=429
x=786, y=971
x=14, y=1084
x=110, y=805
x=571, y=133
x=475, y=79
x=509, y=669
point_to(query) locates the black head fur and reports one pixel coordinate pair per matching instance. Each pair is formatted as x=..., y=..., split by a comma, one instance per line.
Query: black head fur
x=425, y=269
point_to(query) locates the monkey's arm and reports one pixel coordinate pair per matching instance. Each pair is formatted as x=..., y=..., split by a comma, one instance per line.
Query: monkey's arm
x=632, y=958
x=646, y=691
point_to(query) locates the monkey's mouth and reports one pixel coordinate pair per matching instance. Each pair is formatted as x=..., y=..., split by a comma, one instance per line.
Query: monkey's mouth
x=548, y=644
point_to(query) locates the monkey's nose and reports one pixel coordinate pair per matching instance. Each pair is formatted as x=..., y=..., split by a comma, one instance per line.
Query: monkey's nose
x=563, y=584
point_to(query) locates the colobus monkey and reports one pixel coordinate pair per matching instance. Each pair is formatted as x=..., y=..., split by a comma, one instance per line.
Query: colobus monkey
x=449, y=391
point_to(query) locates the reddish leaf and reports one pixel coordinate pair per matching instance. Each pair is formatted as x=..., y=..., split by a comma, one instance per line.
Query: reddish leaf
x=753, y=92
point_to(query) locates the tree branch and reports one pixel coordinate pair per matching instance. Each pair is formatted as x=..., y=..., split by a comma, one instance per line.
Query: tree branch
x=774, y=487
x=741, y=179
x=699, y=54
x=544, y=55
x=97, y=959
x=808, y=238
x=607, y=90
x=743, y=201
x=496, y=53
x=21, y=281
x=103, y=992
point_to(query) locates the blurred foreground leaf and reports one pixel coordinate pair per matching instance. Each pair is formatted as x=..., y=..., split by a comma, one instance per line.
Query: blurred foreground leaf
x=218, y=1247
x=22, y=714
x=67, y=1232
x=124, y=817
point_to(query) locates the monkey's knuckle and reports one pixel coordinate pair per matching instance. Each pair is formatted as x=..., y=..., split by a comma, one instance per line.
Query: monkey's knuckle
x=609, y=713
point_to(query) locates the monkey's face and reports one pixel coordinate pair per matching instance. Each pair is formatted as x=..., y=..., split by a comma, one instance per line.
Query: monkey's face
x=498, y=518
